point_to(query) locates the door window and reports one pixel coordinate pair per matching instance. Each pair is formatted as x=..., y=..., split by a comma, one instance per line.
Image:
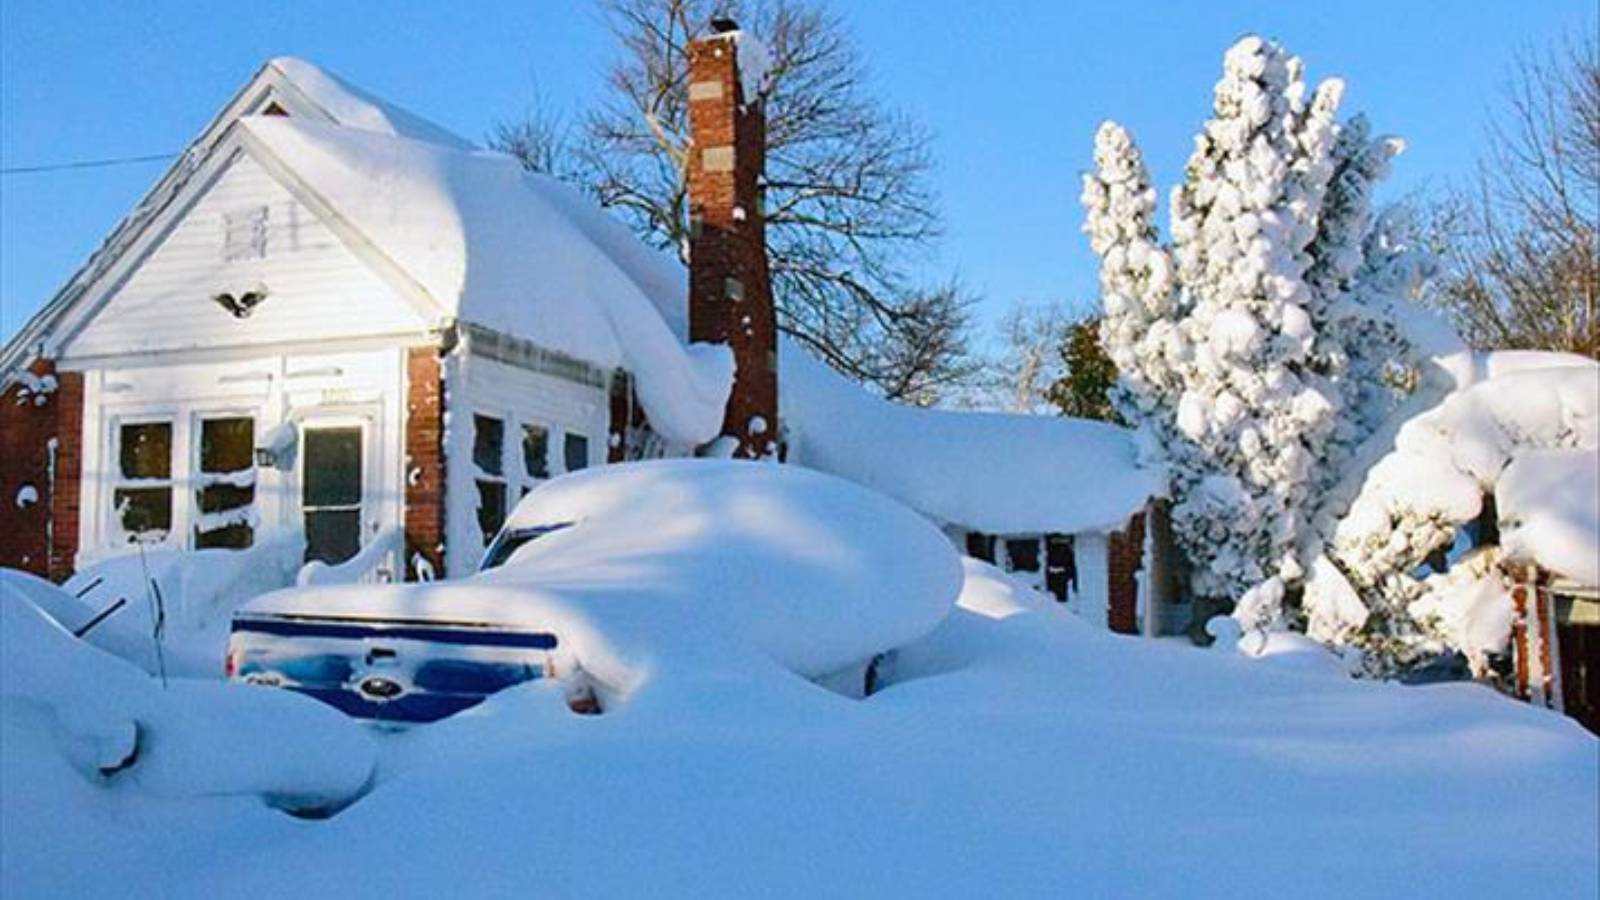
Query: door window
x=331, y=493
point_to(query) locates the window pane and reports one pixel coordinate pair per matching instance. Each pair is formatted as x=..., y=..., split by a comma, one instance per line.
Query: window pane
x=332, y=467
x=227, y=445
x=980, y=546
x=218, y=497
x=146, y=450
x=144, y=512
x=491, y=508
x=233, y=537
x=536, y=451
x=488, y=438
x=333, y=535
x=1024, y=555
x=577, y=452
x=1061, y=565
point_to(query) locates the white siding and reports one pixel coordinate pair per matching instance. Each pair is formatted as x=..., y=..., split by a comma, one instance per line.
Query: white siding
x=516, y=396
x=316, y=287
x=1092, y=602
x=365, y=387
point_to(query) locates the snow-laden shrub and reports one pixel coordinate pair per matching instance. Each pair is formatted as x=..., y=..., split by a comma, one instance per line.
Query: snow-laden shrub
x=1255, y=350
x=1412, y=502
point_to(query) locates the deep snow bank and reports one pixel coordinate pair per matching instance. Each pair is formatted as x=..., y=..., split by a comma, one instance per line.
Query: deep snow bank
x=1018, y=754
x=121, y=729
x=190, y=593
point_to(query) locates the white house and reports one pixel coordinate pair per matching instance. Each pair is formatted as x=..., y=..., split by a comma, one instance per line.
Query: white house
x=331, y=314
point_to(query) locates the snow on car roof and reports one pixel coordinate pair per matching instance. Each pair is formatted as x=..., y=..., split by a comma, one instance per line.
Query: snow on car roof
x=520, y=253
x=811, y=570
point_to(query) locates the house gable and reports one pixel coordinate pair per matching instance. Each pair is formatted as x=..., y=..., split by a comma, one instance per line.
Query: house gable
x=243, y=262
x=282, y=87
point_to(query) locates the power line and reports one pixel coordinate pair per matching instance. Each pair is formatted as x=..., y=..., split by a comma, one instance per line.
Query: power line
x=86, y=164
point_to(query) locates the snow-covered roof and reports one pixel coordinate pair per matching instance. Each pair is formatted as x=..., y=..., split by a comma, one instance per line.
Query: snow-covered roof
x=993, y=472
x=1522, y=425
x=1549, y=507
x=348, y=105
x=490, y=243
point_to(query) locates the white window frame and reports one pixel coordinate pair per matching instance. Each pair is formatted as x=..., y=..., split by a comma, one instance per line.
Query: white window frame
x=111, y=523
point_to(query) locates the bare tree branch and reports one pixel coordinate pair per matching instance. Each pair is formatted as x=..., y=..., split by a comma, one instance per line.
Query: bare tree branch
x=847, y=206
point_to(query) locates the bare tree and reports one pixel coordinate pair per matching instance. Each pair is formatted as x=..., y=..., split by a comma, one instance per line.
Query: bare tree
x=847, y=204
x=1522, y=262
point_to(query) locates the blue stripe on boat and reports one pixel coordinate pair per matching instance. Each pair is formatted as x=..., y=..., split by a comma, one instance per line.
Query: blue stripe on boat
x=442, y=635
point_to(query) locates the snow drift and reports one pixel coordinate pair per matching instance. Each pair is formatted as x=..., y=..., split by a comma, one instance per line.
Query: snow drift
x=180, y=739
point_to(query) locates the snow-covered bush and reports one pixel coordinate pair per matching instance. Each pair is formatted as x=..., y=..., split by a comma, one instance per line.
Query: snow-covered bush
x=1414, y=500
x=1255, y=351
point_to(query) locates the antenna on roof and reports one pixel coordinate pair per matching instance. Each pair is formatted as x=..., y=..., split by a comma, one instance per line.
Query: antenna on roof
x=723, y=25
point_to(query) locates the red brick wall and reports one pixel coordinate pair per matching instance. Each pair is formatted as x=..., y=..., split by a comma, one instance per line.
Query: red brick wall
x=425, y=484
x=1124, y=557
x=64, y=501
x=27, y=423
x=730, y=292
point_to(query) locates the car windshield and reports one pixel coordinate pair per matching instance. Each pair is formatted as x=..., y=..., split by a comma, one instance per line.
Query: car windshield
x=508, y=540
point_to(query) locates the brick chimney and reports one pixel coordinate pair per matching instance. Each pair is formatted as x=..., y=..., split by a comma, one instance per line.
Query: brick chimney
x=730, y=291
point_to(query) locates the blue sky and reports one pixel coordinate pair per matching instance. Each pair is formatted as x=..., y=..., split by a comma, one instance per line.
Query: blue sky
x=1012, y=92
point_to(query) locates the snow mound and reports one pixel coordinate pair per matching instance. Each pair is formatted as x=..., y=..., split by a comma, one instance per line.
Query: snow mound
x=1549, y=507
x=522, y=254
x=991, y=592
x=663, y=564
x=993, y=472
x=178, y=740
x=352, y=107
x=193, y=598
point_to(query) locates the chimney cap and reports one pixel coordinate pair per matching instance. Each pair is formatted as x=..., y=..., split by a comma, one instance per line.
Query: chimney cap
x=723, y=24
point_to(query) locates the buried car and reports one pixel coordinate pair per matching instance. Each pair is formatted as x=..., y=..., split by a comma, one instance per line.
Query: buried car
x=597, y=576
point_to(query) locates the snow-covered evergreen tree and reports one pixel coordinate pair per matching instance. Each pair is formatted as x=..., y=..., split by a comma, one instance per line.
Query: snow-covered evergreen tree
x=1251, y=351
x=1137, y=289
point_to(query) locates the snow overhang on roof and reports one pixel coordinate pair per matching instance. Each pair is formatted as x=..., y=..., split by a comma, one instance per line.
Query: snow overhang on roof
x=347, y=105
x=1548, y=502
x=491, y=244
x=991, y=472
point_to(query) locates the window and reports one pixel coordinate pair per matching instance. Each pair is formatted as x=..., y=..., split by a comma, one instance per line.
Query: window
x=980, y=546
x=227, y=483
x=508, y=543
x=1023, y=554
x=330, y=493
x=244, y=234
x=535, y=452
x=1060, y=565
x=142, y=497
x=488, y=455
x=576, y=452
